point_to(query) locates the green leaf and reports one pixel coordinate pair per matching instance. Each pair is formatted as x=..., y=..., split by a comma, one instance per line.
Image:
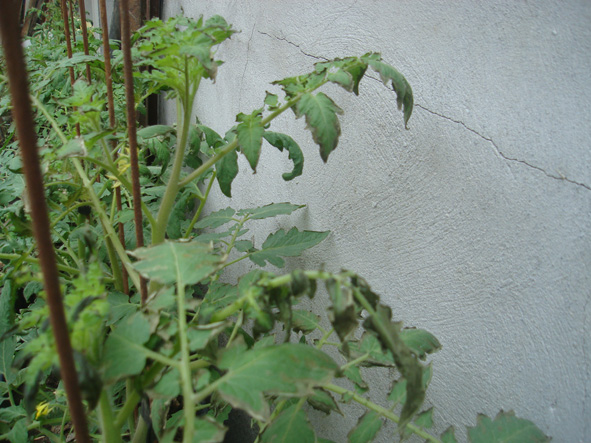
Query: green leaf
x=11, y=413
x=250, y=136
x=169, y=385
x=286, y=244
x=73, y=148
x=18, y=432
x=216, y=219
x=288, y=369
x=449, y=436
x=270, y=210
x=398, y=392
x=425, y=419
x=321, y=118
x=353, y=373
x=282, y=141
x=304, y=321
x=120, y=307
x=369, y=344
x=124, y=353
x=185, y=263
x=291, y=426
x=404, y=97
x=208, y=431
x=421, y=342
x=367, y=428
x=227, y=170
x=342, y=311
x=407, y=363
x=154, y=131
x=323, y=401
x=506, y=428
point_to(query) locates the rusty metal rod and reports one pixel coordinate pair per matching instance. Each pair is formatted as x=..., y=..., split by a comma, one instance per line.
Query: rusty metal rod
x=82, y=7
x=112, y=122
x=23, y=117
x=67, y=35
x=131, y=130
x=72, y=20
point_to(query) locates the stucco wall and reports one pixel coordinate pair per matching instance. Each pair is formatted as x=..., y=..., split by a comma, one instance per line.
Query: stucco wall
x=474, y=223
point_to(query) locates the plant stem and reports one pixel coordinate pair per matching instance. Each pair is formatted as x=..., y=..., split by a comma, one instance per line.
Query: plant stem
x=109, y=431
x=201, y=205
x=172, y=188
x=380, y=410
x=34, y=260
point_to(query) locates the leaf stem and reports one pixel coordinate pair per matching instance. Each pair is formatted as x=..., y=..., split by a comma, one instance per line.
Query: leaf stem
x=201, y=205
x=380, y=410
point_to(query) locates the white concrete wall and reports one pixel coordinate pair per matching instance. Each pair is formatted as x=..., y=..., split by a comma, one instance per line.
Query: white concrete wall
x=473, y=224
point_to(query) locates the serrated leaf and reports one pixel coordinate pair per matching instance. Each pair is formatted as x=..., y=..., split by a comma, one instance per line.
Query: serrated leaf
x=154, y=131
x=124, y=353
x=369, y=344
x=407, y=363
x=323, y=401
x=271, y=100
x=250, y=136
x=288, y=369
x=291, y=426
x=216, y=219
x=398, y=392
x=425, y=419
x=321, y=118
x=208, y=431
x=11, y=413
x=119, y=307
x=270, y=210
x=282, y=141
x=304, y=321
x=421, y=342
x=286, y=244
x=449, y=436
x=404, y=96
x=506, y=428
x=341, y=78
x=342, y=311
x=353, y=373
x=366, y=429
x=185, y=263
x=227, y=170
x=73, y=148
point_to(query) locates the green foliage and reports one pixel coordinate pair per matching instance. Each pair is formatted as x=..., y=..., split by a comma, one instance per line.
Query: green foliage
x=198, y=347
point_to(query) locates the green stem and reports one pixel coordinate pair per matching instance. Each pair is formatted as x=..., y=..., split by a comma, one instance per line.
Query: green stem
x=201, y=205
x=64, y=268
x=109, y=432
x=115, y=268
x=380, y=410
x=172, y=188
x=106, y=225
x=185, y=367
x=356, y=361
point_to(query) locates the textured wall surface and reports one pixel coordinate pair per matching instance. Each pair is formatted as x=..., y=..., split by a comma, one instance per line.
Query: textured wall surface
x=475, y=222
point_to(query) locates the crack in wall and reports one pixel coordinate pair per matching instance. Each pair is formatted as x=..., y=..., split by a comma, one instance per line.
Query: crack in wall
x=283, y=39
x=246, y=65
x=459, y=122
x=501, y=154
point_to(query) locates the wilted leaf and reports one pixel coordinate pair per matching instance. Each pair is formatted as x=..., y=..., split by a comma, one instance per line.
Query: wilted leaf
x=227, y=170
x=421, y=342
x=291, y=426
x=282, y=141
x=404, y=96
x=323, y=401
x=288, y=369
x=342, y=311
x=185, y=263
x=398, y=392
x=18, y=432
x=250, y=136
x=321, y=117
x=366, y=429
x=505, y=428
x=286, y=244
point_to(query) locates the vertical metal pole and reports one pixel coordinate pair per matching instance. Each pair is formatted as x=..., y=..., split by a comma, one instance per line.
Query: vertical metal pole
x=23, y=117
x=131, y=129
x=112, y=122
x=84, y=34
